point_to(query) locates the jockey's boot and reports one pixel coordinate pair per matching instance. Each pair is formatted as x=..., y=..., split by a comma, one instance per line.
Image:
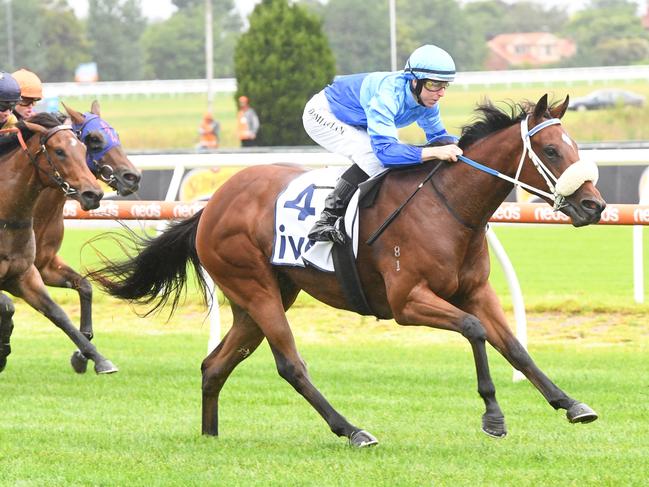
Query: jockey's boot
x=330, y=225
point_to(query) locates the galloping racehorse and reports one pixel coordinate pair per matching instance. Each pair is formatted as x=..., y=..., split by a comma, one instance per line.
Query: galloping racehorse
x=107, y=160
x=42, y=154
x=441, y=279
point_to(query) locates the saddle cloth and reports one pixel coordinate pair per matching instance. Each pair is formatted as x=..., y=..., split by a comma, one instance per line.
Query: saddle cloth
x=297, y=209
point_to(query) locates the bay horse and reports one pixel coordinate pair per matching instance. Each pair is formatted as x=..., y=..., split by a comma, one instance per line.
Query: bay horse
x=107, y=160
x=42, y=153
x=439, y=278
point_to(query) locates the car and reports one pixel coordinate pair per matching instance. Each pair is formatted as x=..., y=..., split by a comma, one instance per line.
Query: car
x=607, y=98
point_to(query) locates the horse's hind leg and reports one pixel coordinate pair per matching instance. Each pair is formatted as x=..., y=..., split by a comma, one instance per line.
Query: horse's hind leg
x=260, y=296
x=238, y=344
x=31, y=288
x=6, y=327
x=58, y=274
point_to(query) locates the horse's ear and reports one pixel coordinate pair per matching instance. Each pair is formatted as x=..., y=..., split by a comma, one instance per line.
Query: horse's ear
x=34, y=127
x=94, y=108
x=76, y=117
x=559, y=110
x=541, y=107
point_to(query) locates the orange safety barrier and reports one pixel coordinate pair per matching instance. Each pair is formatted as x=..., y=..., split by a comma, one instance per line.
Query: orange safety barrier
x=506, y=213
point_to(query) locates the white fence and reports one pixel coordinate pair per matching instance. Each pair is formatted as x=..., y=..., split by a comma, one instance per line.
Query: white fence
x=318, y=158
x=567, y=76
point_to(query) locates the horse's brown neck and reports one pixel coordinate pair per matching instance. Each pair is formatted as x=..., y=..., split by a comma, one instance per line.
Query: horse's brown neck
x=20, y=184
x=471, y=195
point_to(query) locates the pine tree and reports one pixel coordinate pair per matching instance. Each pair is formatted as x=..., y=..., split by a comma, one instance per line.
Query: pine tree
x=280, y=62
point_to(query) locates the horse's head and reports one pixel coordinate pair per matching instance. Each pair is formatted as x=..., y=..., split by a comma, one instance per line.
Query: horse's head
x=61, y=160
x=556, y=165
x=106, y=157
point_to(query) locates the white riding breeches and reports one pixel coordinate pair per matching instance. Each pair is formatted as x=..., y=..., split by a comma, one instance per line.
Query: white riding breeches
x=338, y=137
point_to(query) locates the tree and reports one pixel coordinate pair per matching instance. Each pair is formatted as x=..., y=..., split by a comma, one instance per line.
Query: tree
x=449, y=29
x=174, y=49
x=493, y=17
x=358, y=35
x=280, y=62
x=599, y=29
x=28, y=48
x=114, y=30
x=65, y=42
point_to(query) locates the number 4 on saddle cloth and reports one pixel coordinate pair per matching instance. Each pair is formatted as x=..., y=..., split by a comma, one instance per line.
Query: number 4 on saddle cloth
x=296, y=210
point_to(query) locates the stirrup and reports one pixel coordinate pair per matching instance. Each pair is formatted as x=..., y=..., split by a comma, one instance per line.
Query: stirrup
x=325, y=224
x=324, y=231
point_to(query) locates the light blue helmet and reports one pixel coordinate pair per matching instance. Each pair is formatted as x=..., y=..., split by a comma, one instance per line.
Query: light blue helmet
x=431, y=62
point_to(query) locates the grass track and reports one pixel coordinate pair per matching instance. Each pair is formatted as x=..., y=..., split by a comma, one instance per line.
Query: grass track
x=413, y=388
x=141, y=426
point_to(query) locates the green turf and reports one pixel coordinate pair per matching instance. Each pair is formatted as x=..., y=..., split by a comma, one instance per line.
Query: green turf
x=413, y=388
x=141, y=426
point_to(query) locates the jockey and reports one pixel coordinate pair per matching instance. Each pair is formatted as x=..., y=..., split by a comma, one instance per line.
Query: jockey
x=9, y=96
x=358, y=115
x=31, y=91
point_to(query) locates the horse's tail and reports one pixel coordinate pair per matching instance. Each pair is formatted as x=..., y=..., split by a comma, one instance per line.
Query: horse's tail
x=157, y=274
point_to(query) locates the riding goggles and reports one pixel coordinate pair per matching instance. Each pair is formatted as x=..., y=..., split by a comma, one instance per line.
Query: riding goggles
x=434, y=85
x=28, y=102
x=7, y=105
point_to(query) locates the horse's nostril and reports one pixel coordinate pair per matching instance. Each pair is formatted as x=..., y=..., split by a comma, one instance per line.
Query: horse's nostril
x=593, y=205
x=131, y=177
x=92, y=196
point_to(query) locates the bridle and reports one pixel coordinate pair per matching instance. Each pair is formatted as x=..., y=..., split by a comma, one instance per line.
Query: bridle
x=54, y=174
x=568, y=182
x=91, y=123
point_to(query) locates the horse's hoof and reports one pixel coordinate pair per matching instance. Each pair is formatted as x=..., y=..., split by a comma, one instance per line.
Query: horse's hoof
x=494, y=426
x=580, y=413
x=361, y=439
x=79, y=362
x=105, y=367
x=3, y=363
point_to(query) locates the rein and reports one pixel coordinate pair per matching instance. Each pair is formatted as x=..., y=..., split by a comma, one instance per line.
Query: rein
x=573, y=177
x=377, y=233
x=564, y=186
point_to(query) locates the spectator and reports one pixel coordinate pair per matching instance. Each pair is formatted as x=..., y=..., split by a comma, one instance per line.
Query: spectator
x=247, y=123
x=208, y=133
x=31, y=92
x=9, y=96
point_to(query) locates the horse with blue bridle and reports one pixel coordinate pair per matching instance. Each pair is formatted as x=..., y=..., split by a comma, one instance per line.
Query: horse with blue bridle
x=107, y=160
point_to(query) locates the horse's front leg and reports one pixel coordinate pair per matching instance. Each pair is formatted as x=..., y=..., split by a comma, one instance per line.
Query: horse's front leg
x=423, y=307
x=30, y=287
x=57, y=273
x=485, y=304
x=6, y=327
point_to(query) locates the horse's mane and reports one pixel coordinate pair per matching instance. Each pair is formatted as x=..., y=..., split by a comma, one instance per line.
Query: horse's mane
x=9, y=142
x=490, y=119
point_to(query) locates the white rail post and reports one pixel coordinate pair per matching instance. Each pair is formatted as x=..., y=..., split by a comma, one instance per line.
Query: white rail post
x=515, y=289
x=638, y=251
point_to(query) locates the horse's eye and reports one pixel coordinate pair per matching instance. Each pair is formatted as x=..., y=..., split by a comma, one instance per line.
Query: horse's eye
x=550, y=151
x=59, y=153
